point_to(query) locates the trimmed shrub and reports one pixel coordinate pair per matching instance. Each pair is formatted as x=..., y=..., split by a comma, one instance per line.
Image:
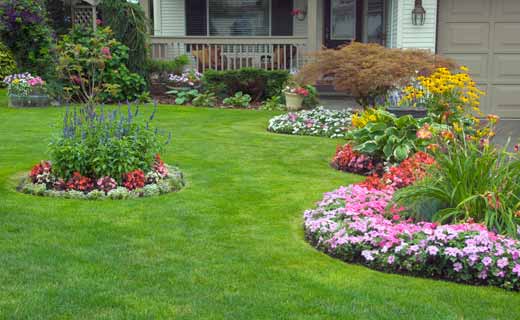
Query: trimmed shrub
x=168, y=67
x=260, y=84
x=7, y=63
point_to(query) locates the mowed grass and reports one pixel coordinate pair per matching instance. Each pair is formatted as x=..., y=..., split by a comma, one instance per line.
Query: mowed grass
x=228, y=246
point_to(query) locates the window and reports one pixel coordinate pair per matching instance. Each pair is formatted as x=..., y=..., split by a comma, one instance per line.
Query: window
x=239, y=17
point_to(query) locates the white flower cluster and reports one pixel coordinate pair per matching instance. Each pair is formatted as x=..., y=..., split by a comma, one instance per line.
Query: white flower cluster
x=315, y=122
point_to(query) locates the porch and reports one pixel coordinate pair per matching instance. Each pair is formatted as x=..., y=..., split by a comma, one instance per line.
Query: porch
x=268, y=34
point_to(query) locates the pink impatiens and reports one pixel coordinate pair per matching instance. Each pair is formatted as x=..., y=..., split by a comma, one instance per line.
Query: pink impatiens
x=359, y=224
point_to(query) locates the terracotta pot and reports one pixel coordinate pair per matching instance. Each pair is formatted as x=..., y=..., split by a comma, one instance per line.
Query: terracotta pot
x=293, y=101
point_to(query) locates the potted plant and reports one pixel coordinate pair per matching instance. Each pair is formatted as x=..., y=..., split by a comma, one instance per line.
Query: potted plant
x=294, y=95
x=26, y=90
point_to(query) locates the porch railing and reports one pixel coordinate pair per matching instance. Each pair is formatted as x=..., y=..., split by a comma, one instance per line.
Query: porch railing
x=227, y=53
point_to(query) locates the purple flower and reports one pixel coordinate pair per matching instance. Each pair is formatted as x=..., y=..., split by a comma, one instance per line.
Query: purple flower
x=391, y=259
x=516, y=269
x=457, y=266
x=487, y=261
x=502, y=262
x=432, y=250
x=367, y=254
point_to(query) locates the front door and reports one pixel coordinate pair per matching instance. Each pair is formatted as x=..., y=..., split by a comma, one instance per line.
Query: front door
x=343, y=22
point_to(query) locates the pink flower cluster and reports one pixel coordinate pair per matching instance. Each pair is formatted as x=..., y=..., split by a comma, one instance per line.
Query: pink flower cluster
x=361, y=225
x=36, y=81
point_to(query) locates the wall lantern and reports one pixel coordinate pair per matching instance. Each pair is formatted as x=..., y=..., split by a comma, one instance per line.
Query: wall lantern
x=418, y=14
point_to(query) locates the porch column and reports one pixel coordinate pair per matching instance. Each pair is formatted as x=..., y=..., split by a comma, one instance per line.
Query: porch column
x=312, y=25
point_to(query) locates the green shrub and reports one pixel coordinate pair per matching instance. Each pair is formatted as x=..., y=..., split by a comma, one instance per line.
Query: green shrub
x=105, y=143
x=238, y=100
x=273, y=104
x=7, y=63
x=175, y=66
x=260, y=84
x=93, y=66
x=24, y=29
x=311, y=100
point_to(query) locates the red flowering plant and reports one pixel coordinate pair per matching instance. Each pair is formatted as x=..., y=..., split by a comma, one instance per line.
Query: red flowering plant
x=42, y=173
x=347, y=159
x=405, y=174
x=134, y=179
x=79, y=182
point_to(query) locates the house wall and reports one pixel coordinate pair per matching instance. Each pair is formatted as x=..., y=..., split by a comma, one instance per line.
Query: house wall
x=403, y=34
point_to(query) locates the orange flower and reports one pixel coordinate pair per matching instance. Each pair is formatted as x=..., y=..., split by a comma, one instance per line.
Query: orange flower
x=493, y=118
x=448, y=135
x=424, y=133
x=433, y=147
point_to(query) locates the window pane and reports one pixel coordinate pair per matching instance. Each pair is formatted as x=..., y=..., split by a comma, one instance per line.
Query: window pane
x=239, y=17
x=375, y=21
x=343, y=19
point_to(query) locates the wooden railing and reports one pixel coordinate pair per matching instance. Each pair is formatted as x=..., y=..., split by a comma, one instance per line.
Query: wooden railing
x=225, y=53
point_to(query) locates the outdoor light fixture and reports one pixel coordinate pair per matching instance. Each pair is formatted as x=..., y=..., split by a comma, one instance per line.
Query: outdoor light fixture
x=418, y=14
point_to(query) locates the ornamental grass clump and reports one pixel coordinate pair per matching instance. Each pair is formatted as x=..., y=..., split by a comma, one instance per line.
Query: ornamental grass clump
x=106, y=142
x=472, y=180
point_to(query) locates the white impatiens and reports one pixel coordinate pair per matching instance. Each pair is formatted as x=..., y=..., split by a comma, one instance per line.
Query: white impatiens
x=315, y=122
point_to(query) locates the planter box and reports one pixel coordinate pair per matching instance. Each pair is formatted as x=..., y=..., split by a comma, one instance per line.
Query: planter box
x=414, y=112
x=293, y=101
x=29, y=101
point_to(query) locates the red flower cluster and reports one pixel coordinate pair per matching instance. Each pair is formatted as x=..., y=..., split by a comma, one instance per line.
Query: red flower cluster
x=159, y=166
x=44, y=167
x=80, y=183
x=301, y=91
x=134, y=179
x=347, y=159
x=403, y=175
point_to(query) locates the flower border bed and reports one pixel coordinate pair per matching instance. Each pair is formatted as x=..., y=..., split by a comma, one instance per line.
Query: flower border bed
x=357, y=224
x=173, y=182
x=316, y=122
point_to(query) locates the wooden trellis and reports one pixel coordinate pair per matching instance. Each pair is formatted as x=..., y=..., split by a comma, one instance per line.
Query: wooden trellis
x=84, y=15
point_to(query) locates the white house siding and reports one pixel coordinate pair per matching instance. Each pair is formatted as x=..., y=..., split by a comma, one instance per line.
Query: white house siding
x=172, y=18
x=403, y=34
x=300, y=27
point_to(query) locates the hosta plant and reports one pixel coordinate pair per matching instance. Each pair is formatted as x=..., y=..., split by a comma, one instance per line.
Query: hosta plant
x=390, y=138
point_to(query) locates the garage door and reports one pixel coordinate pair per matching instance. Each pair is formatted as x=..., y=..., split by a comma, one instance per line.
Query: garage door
x=485, y=36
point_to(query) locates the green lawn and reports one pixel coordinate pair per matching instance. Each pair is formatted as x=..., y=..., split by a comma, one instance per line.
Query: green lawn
x=228, y=246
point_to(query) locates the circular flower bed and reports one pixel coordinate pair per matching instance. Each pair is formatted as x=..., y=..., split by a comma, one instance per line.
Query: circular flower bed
x=315, y=122
x=42, y=181
x=360, y=224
